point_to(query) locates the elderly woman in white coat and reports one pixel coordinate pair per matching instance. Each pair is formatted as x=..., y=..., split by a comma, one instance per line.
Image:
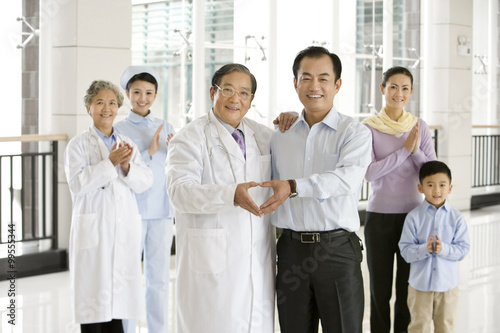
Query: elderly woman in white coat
x=104, y=171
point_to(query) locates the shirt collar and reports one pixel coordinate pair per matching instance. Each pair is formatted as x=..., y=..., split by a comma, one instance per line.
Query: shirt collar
x=331, y=119
x=446, y=206
x=230, y=128
x=104, y=136
x=135, y=118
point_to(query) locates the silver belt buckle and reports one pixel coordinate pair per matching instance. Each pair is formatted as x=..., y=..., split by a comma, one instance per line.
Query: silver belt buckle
x=314, y=237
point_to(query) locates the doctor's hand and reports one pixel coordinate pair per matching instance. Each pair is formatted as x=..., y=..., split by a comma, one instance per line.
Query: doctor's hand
x=243, y=199
x=281, y=189
x=155, y=142
x=125, y=163
x=285, y=120
x=121, y=154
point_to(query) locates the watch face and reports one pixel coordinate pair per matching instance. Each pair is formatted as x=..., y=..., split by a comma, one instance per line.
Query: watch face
x=293, y=195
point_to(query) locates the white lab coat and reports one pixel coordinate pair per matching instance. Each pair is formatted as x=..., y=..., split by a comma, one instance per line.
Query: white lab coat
x=105, y=237
x=225, y=255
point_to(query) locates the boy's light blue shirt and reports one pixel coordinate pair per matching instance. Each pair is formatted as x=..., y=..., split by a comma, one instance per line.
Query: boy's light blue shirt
x=153, y=203
x=434, y=272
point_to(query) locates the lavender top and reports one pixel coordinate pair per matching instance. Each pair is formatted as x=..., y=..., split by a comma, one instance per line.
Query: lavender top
x=393, y=172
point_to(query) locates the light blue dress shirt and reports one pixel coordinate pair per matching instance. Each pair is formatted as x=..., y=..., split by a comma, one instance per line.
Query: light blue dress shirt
x=109, y=141
x=434, y=272
x=328, y=162
x=153, y=203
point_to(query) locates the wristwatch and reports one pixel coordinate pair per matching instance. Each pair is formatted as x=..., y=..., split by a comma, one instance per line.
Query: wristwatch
x=293, y=188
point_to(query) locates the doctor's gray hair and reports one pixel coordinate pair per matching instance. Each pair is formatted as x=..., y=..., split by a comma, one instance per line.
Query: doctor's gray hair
x=228, y=69
x=98, y=85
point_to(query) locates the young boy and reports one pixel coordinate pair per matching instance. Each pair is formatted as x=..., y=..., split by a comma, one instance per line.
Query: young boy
x=433, y=241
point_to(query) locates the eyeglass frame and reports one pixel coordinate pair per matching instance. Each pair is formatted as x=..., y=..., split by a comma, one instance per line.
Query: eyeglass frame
x=234, y=92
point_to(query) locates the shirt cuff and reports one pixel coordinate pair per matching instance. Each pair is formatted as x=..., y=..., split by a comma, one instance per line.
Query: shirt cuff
x=146, y=157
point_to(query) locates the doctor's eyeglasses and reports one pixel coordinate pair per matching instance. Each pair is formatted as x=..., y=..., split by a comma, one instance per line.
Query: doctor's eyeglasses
x=229, y=92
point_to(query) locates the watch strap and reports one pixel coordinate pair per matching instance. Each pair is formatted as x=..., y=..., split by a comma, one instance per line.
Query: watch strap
x=293, y=188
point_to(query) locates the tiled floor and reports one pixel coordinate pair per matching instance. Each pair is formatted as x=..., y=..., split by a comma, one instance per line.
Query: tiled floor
x=43, y=304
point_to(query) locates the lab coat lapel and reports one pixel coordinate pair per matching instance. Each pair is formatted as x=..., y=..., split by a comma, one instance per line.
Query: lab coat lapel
x=232, y=147
x=250, y=143
x=98, y=144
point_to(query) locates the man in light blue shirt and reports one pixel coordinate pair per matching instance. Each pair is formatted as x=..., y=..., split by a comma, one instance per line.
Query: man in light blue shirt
x=151, y=136
x=323, y=156
x=433, y=241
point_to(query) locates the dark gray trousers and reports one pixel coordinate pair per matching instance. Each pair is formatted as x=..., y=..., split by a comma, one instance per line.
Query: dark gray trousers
x=320, y=281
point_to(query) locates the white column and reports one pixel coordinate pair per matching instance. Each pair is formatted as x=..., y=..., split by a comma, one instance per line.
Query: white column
x=425, y=16
x=493, y=62
x=81, y=41
x=272, y=58
x=336, y=27
x=199, y=92
x=448, y=86
x=387, y=36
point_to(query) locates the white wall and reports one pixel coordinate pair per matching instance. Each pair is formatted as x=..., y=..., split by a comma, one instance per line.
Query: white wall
x=448, y=87
x=251, y=19
x=83, y=40
x=10, y=85
x=480, y=38
x=298, y=25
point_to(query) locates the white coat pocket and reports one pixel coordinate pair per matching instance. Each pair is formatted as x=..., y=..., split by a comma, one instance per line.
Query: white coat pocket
x=85, y=231
x=207, y=250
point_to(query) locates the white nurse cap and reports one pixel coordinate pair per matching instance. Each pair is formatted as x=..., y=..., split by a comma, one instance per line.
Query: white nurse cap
x=132, y=71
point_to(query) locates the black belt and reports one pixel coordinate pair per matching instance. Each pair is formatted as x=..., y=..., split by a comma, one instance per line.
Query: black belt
x=310, y=237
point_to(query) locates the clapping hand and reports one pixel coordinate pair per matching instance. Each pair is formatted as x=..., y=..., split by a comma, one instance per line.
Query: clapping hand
x=121, y=153
x=411, y=143
x=169, y=137
x=155, y=142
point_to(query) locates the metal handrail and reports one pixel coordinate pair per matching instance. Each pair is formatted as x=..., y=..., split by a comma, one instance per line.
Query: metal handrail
x=31, y=159
x=34, y=138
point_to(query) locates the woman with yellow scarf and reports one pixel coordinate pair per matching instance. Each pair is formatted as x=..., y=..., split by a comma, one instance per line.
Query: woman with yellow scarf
x=401, y=144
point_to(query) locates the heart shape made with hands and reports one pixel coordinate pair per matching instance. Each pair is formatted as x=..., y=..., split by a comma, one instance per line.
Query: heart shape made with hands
x=259, y=194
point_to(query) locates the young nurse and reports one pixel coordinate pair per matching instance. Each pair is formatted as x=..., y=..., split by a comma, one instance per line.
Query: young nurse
x=151, y=136
x=401, y=144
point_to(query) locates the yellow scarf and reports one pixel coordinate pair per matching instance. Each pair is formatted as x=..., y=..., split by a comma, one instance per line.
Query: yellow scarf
x=383, y=123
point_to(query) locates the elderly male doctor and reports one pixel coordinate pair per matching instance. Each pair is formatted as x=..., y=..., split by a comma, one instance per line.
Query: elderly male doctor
x=225, y=247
